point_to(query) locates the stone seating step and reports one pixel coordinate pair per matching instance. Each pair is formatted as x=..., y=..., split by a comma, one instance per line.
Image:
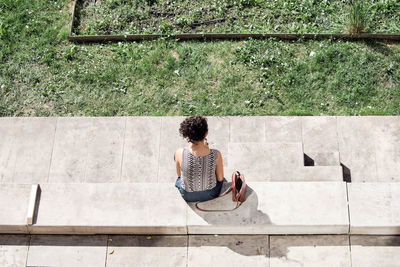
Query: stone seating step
x=283, y=161
x=14, y=202
x=157, y=208
x=374, y=208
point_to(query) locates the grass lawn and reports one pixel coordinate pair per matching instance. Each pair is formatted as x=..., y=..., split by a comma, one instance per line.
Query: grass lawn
x=42, y=74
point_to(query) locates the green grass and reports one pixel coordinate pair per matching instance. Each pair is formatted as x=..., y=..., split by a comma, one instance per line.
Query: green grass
x=238, y=16
x=42, y=74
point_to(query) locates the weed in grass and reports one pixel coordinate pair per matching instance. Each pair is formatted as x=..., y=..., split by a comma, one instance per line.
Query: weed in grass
x=358, y=17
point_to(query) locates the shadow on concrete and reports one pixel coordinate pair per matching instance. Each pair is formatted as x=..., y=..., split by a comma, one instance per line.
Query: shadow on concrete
x=246, y=245
x=69, y=240
x=14, y=240
x=246, y=215
x=37, y=203
x=308, y=161
x=375, y=241
x=346, y=173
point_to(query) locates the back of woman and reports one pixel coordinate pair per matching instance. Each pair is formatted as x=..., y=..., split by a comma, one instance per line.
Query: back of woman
x=199, y=168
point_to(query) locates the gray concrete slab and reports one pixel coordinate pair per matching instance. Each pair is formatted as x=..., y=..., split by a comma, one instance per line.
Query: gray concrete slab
x=14, y=201
x=218, y=135
x=307, y=208
x=170, y=141
x=247, y=129
x=105, y=145
x=88, y=150
x=13, y=250
x=311, y=174
x=387, y=148
x=141, y=149
x=232, y=250
x=357, y=147
x=283, y=129
x=70, y=152
x=276, y=162
x=320, y=140
x=56, y=250
x=252, y=159
x=374, y=208
x=33, y=146
x=372, y=251
x=147, y=251
x=310, y=251
x=9, y=127
x=140, y=208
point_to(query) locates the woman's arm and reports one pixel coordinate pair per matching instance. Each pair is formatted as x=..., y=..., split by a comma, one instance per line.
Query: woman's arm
x=220, y=168
x=178, y=160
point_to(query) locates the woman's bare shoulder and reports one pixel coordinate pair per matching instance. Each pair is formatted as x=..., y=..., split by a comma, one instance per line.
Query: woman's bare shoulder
x=178, y=153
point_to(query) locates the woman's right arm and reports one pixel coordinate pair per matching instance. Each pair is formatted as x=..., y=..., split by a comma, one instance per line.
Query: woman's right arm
x=178, y=160
x=220, y=168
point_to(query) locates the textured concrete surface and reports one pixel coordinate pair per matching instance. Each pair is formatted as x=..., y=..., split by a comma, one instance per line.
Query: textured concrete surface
x=147, y=251
x=27, y=153
x=387, y=146
x=222, y=250
x=283, y=129
x=56, y=250
x=310, y=251
x=110, y=208
x=199, y=250
x=308, y=208
x=14, y=201
x=374, y=208
x=357, y=147
x=9, y=127
x=263, y=162
x=141, y=149
x=372, y=251
x=70, y=153
x=320, y=140
x=247, y=129
x=170, y=141
x=13, y=250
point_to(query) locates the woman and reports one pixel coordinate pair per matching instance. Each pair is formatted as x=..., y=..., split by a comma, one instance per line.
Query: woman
x=199, y=168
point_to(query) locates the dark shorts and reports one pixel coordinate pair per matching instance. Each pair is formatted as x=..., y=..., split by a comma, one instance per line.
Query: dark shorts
x=199, y=195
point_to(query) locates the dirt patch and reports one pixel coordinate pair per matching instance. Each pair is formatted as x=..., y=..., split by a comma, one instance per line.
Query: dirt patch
x=174, y=54
x=216, y=60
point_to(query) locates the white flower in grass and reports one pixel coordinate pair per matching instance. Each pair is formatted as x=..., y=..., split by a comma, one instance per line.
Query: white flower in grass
x=312, y=54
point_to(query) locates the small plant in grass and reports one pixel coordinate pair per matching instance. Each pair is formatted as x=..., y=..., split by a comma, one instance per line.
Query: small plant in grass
x=358, y=17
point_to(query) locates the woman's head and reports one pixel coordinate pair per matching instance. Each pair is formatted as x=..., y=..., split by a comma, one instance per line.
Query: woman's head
x=194, y=128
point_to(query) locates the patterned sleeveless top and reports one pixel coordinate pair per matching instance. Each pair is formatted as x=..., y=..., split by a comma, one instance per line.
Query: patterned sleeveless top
x=198, y=173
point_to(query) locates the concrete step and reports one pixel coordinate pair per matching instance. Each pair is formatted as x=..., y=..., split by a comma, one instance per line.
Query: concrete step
x=14, y=202
x=200, y=250
x=157, y=208
x=153, y=208
x=276, y=208
x=374, y=208
x=282, y=161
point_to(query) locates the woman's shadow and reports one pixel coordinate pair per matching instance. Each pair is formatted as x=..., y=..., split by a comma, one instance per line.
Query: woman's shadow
x=245, y=220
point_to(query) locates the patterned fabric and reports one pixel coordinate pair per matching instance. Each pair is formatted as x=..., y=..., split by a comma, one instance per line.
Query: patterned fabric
x=198, y=173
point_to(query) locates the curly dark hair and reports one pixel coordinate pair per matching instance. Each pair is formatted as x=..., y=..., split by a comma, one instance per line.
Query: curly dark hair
x=194, y=128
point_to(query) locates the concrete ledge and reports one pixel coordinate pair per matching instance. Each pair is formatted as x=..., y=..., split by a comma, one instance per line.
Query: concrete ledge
x=14, y=200
x=110, y=208
x=277, y=208
x=374, y=208
x=157, y=208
